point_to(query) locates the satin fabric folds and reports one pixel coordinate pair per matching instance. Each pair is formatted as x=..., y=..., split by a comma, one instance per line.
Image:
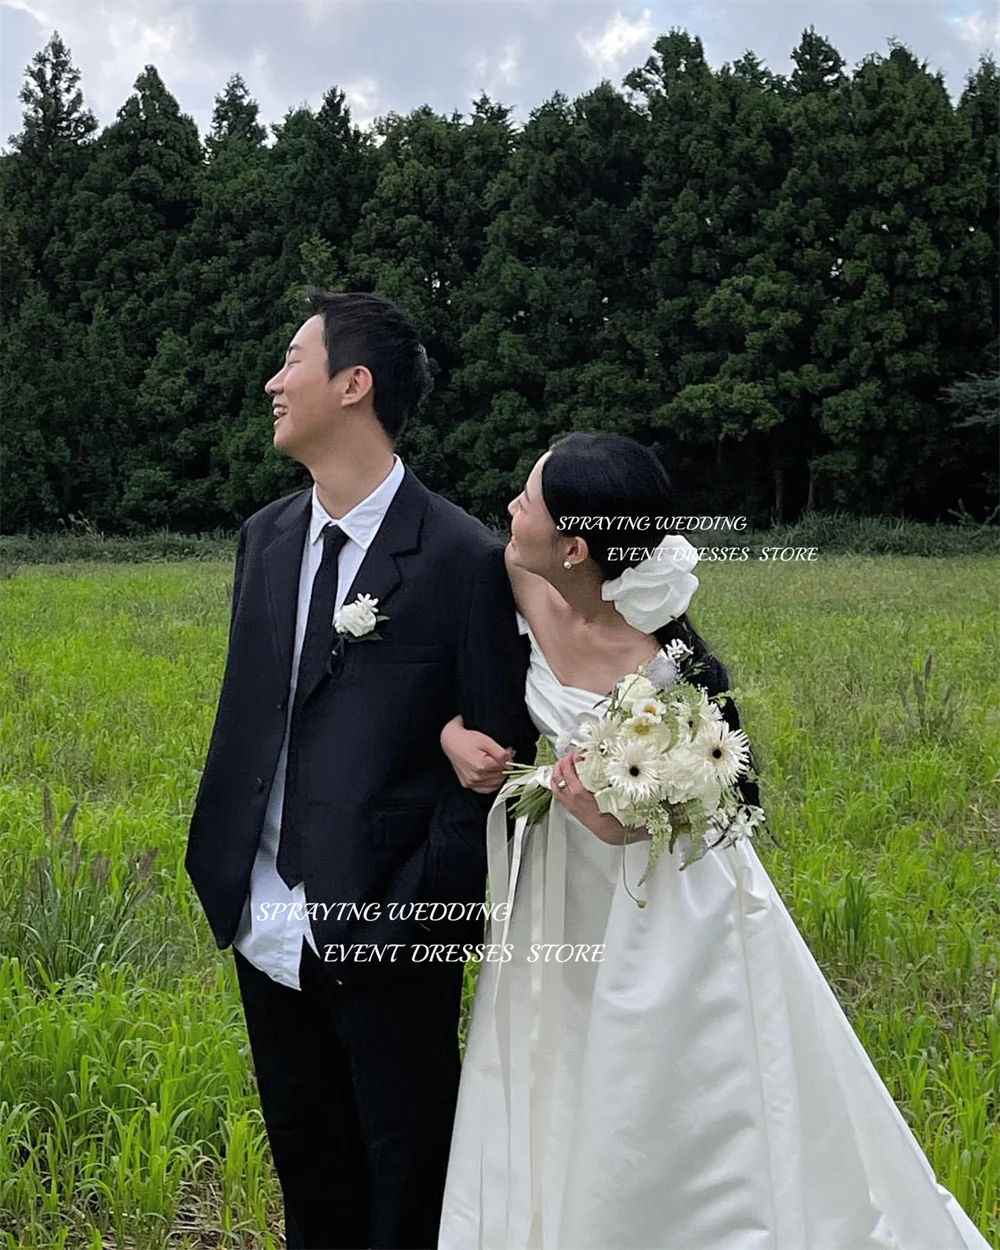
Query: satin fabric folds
x=698, y=1089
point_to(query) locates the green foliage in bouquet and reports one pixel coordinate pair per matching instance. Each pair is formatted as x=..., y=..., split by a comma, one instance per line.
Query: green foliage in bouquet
x=533, y=801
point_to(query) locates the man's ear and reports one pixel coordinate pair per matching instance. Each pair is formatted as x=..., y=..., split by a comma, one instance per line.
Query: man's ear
x=359, y=384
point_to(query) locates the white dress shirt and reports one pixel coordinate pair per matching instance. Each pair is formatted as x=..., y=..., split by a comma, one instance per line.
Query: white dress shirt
x=274, y=945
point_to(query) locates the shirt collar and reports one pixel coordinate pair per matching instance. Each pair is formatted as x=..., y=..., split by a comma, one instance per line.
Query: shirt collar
x=361, y=523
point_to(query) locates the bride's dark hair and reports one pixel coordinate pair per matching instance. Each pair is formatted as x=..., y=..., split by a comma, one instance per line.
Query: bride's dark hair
x=610, y=475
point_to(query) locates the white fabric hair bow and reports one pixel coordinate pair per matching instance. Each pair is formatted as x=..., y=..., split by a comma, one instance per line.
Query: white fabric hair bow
x=657, y=590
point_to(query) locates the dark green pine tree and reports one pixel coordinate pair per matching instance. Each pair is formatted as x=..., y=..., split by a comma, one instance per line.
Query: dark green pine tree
x=900, y=321
x=979, y=108
x=294, y=229
x=126, y=214
x=542, y=351
x=974, y=399
x=677, y=220
x=41, y=478
x=420, y=241
x=223, y=269
x=747, y=398
x=48, y=157
x=767, y=390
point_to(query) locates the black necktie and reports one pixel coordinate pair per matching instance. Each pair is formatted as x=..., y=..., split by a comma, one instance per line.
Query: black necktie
x=314, y=665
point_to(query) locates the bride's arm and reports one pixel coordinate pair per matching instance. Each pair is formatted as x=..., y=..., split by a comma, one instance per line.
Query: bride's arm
x=478, y=761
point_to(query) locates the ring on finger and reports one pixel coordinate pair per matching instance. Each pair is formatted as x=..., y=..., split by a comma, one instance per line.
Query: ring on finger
x=561, y=784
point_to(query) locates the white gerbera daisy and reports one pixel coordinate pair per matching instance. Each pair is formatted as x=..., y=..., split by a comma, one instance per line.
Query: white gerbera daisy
x=593, y=772
x=634, y=770
x=723, y=753
x=595, y=735
x=596, y=739
x=696, y=711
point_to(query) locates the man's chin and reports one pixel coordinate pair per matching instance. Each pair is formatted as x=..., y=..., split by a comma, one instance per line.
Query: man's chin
x=283, y=443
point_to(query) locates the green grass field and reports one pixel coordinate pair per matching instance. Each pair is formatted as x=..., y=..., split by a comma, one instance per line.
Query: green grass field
x=128, y=1112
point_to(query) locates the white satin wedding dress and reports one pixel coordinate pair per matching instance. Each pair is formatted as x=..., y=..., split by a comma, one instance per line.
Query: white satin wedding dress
x=699, y=1089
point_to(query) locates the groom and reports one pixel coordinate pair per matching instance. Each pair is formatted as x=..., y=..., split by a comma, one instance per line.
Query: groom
x=325, y=786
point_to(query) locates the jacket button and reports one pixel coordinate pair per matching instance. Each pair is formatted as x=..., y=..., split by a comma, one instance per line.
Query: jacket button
x=260, y=784
x=281, y=706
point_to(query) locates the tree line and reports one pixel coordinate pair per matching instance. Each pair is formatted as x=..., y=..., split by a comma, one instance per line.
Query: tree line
x=785, y=284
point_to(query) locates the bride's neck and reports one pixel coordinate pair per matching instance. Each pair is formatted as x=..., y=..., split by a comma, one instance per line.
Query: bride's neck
x=581, y=588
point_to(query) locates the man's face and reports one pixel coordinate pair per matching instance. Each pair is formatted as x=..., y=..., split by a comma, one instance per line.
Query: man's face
x=307, y=403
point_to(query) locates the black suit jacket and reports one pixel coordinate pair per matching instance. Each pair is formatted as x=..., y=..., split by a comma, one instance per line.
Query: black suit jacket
x=387, y=820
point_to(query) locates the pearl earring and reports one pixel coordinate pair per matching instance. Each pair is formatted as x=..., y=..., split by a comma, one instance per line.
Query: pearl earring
x=567, y=564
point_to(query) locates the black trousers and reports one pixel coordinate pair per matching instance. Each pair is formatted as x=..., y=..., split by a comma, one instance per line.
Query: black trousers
x=358, y=1087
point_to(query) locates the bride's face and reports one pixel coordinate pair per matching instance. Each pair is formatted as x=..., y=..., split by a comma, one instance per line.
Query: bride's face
x=534, y=538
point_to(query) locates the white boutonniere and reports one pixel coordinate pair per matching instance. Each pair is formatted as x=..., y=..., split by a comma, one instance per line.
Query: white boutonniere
x=358, y=619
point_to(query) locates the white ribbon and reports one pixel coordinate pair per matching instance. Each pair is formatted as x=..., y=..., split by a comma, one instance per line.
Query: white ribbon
x=659, y=588
x=548, y=904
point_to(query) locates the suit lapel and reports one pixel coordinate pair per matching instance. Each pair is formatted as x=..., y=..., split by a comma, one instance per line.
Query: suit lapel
x=399, y=534
x=282, y=560
x=378, y=575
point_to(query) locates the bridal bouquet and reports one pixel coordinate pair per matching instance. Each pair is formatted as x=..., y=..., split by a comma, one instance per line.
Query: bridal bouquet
x=660, y=757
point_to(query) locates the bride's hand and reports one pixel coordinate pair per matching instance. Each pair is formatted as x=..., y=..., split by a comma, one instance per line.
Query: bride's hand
x=580, y=802
x=478, y=761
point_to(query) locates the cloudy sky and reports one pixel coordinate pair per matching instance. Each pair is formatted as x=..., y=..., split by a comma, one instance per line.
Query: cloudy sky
x=394, y=55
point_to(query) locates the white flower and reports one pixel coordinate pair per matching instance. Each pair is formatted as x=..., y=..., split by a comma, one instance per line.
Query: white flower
x=651, y=708
x=696, y=711
x=563, y=744
x=744, y=823
x=642, y=727
x=634, y=686
x=716, y=756
x=683, y=777
x=597, y=739
x=676, y=650
x=651, y=730
x=357, y=618
x=614, y=802
x=635, y=770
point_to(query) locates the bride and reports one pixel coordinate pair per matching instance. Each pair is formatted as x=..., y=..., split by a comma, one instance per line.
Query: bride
x=689, y=1082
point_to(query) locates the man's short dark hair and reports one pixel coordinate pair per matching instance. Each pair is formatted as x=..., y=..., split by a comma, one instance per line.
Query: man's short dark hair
x=364, y=329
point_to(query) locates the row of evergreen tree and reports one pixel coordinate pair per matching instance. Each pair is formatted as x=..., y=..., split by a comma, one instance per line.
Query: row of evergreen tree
x=788, y=285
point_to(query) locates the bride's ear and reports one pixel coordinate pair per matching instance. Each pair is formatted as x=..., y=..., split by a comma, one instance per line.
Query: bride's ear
x=576, y=551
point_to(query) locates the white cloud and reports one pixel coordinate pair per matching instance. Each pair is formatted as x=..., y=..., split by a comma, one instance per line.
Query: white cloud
x=492, y=75
x=618, y=39
x=977, y=30
x=508, y=66
x=110, y=46
x=362, y=97
x=38, y=11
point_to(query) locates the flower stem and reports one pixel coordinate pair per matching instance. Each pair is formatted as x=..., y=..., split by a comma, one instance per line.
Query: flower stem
x=639, y=902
